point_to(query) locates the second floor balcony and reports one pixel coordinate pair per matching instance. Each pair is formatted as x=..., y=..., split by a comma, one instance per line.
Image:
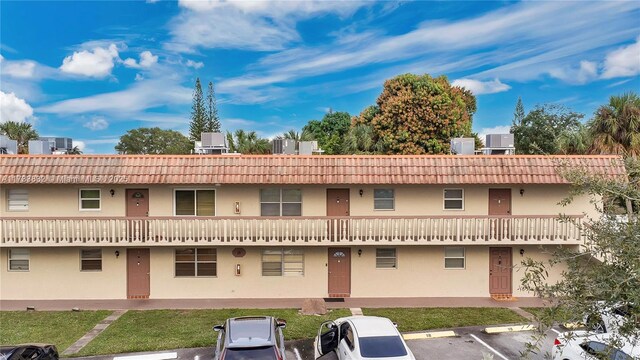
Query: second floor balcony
x=270, y=231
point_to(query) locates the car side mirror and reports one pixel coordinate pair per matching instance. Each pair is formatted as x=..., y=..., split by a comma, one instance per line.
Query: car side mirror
x=281, y=323
x=218, y=328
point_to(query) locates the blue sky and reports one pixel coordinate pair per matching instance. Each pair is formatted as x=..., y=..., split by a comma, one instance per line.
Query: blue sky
x=92, y=70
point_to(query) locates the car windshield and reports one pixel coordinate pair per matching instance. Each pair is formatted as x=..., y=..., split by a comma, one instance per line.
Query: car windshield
x=381, y=346
x=256, y=353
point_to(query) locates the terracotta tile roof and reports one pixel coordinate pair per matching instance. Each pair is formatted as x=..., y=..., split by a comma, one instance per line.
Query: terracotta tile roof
x=282, y=169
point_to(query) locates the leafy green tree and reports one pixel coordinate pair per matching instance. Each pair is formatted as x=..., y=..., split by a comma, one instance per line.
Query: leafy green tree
x=199, y=119
x=574, y=142
x=213, y=120
x=537, y=133
x=297, y=136
x=330, y=131
x=606, y=268
x=21, y=132
x=247, y=143
x=615, y=128
x=361, y=139
x=153, y=141
x=75, y=151
x=419, y=114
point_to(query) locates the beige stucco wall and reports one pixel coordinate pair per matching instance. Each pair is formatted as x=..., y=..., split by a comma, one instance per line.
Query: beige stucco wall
x=55, y=274
x=62, y=200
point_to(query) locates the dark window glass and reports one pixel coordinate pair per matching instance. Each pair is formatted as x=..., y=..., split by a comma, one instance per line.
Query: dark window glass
x=91, y=260
x=185, y=202
x=381, y=346
x=196, y=262
x=262, y=353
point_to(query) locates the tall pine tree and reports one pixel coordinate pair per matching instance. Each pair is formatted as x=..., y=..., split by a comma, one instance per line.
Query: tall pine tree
x=518, y=114
x=213, y=121
x=199, y=121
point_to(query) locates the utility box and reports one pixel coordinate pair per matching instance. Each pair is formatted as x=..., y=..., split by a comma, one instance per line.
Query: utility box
x=8, y=146
x=283, y=146
x=211, y=143
x=58, y=144
x=463, y=146
x=500, y=141
x=307, y=147
x=39, y=147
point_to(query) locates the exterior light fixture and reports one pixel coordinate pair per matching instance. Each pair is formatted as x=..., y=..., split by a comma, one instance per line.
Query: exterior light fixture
x=112, y=192
x=521, y=252
x=521, y=192
x=361, y=192
x=237, y=269
x=117, y=253
x=359, y=252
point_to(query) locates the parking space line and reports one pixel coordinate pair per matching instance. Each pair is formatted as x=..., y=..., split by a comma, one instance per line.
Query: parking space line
x=556, y=331
x=500, y=329
x=295, y=351
x=488, y=347
x=162, y=356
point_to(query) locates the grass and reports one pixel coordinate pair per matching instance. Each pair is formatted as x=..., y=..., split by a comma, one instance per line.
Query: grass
x=416, y=319
x=151, y=330
x=52, y=327
x=560, y=315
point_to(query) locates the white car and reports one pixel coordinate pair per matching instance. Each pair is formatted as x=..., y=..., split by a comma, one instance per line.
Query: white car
x=582, y=345
x=362, y=337
x=609, y=319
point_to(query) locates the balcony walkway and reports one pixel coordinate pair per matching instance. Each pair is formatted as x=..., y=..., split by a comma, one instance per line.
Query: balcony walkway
x=262, y=303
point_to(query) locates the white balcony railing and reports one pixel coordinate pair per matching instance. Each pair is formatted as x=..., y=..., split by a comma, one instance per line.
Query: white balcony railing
x=417, y=230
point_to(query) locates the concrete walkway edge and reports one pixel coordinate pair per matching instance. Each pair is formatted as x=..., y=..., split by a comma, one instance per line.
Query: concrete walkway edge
x=100, y=327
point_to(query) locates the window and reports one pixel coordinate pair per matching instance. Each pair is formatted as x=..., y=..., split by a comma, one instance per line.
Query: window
x=196, y=262
x=383, y=199
x=454, y=257
x=282, y=262
x=91, y=260
x=453, y=199
x=195, y=202
x=386, y=259
x=18, y=200
x=89, y=199
x=19, y=259
x=280, y=202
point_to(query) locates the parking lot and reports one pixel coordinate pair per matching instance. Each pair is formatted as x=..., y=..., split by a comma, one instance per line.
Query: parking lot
x=469, y=343
x=474, y=343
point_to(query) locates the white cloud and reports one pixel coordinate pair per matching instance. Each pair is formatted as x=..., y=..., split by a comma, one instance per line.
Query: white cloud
x=13, y=108
x=147, y=59
x=97, y=123
x=623, y=62
x=19, y=69
x=80, y=144
x=141, y=95
x=249, y=25
x=194, y=64
x=96, y=63
x=481, y=87
x=586, y=72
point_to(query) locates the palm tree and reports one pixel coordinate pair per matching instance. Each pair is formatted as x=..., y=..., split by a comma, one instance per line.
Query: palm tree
x=360, y=139
x=247, y=142
x=575, y=142
x=75, y=151
x=615, y=128
x=22, y=132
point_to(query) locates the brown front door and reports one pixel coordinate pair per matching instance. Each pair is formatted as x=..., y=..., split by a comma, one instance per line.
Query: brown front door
x=138, y=268
x=500, y=205
x=137, y=206
x=338, y=205
x=339, y=272
x=500, y=270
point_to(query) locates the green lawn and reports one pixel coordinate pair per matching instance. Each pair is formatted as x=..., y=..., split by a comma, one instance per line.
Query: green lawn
x=53, y=327
x=416, y=319
x=556, y=314
x=171, y=329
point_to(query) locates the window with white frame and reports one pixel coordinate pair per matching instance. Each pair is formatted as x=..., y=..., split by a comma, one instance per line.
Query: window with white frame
x=454, y=257
x=280, y=202
x=91, y=259
x=282, y=262
x=17, y=200
x=19, y=259
x=195, y=202
x=386, y=258
x=90, y=199
x=383, y=199
x=194, y=262
x=453, y=199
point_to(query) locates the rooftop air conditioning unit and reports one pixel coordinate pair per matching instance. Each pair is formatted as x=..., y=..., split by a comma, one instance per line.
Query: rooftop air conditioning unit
x=283, y=146
x=39, y=147
x=8, y=146
x=213, y=140
x=463, y=146
x=308, y=147
x=500, y=141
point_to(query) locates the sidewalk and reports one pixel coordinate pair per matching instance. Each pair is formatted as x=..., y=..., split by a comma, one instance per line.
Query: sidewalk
x=151, y=304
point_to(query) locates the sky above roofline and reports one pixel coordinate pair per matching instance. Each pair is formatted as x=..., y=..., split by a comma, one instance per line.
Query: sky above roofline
x=93, y=70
